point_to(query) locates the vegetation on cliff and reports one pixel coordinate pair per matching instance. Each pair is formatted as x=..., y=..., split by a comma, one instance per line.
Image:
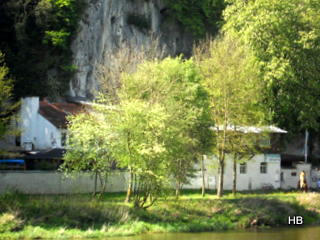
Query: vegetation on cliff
x=35, y=36
x=6, y=95
x=200, y=16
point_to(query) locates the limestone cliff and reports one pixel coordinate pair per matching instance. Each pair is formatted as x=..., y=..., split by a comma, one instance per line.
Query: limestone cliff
x=108, y=24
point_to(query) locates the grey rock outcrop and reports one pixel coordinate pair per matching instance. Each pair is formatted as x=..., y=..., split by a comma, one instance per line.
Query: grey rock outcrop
x=108, y=24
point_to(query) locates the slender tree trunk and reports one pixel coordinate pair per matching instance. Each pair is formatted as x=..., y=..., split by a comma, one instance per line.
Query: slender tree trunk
x=234, y=187
x=203, y=182
x=130, y=183
x=220, y=186
x=177, y=190
x=95, y=183
x=103, y=182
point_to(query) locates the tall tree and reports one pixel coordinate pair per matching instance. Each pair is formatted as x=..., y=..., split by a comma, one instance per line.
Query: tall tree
x=176, y=85
x=87, y=147
x=156, y=128
x=235, y=92
x=284, y=37
x=134, y=131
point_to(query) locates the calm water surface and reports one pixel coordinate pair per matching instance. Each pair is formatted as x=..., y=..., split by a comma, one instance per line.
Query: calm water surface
x=304, y=233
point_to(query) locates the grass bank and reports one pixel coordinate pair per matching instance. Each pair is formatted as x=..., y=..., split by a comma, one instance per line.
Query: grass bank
x=82, y=216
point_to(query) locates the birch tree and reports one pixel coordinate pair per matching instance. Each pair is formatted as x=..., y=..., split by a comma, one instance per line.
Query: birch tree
x=233, y=83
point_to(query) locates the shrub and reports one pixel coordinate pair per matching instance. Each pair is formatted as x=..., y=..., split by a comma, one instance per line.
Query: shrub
x=10, y=222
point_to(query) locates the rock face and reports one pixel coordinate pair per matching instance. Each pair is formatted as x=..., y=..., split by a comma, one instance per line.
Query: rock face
x=109, y=24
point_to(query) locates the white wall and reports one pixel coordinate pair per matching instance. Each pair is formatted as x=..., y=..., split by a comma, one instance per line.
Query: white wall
x=44, y=182
x=315, y=176
x=196, y=182
x=47, y=135
x=35, y=128
x=291, y=182
x=55, y=182
x=252, y=179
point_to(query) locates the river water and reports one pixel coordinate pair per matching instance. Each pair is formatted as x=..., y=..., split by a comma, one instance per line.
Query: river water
x=303, y=233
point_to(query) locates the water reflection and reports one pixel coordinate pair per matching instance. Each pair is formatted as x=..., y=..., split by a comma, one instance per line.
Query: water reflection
x=307, y=233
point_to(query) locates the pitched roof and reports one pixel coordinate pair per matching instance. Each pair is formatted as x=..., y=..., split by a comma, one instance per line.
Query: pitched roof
x=57, y=113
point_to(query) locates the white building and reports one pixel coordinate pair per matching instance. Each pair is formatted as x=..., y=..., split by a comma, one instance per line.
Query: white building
x=262, y=171
x=43, y=124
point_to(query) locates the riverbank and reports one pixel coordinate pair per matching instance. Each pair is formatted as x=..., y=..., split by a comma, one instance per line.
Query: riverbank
x=82, y=216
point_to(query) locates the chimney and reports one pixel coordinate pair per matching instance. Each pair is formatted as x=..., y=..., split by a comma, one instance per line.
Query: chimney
x=28, y=121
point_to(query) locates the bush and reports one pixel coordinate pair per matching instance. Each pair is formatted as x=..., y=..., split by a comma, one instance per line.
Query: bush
x=10, y=222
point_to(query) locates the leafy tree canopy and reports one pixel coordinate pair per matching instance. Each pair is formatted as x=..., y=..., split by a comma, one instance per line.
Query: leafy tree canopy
x=232, y=80
x=6, y=104
x=156, y=128
x=284, y=36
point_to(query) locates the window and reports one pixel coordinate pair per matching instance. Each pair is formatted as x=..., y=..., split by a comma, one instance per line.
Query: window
x=265, y=141
x=281, y=177
x=243, y=168
x=263, y=167
x=293, y=174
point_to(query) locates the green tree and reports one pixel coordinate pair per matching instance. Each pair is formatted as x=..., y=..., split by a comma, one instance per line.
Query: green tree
x=176, y=84
x=134, y=130
x=284, y=37
x=87, y=147
x=235, y=93
x=6, y=104
x=156, y=128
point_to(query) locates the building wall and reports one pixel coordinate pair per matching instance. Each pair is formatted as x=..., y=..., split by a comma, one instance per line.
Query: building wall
x=291, y=176
x=45, y=182
x=37, y=129
x=252, y=179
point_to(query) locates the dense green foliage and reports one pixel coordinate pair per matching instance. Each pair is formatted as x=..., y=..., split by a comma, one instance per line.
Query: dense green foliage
x=200, y=16
x=87, y=146
x=156, y=129
x=35, y=35
x=81, y=216
x=176, y=85
x=6, y=104
x=284, y=36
